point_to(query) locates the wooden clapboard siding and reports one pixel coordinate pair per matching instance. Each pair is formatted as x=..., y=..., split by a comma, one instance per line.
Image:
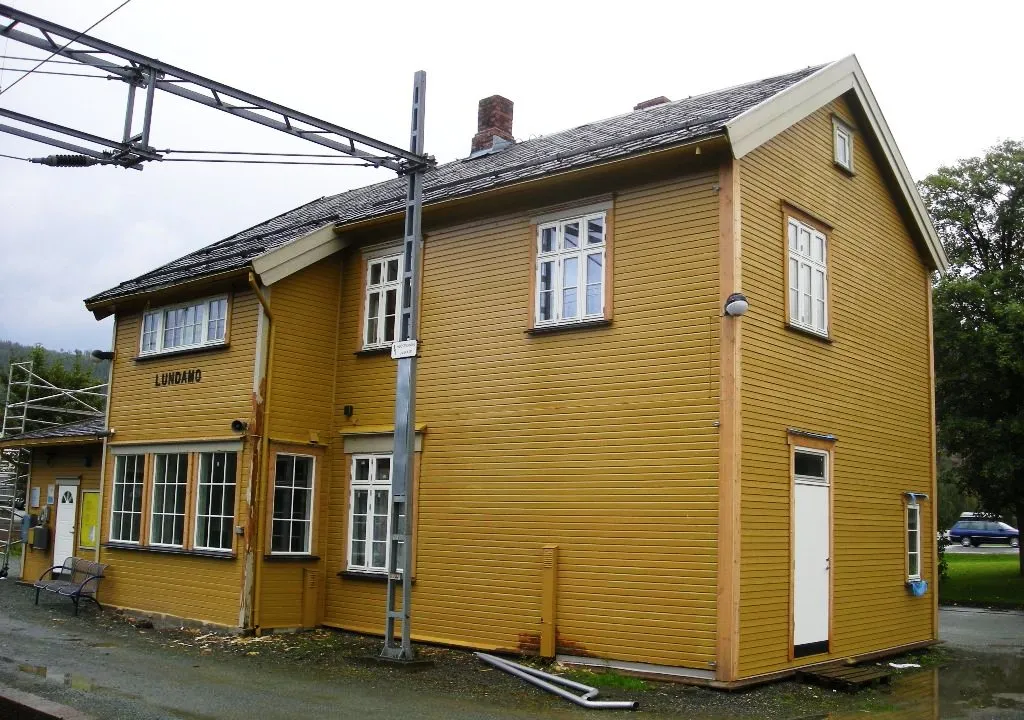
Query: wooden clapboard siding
x=48, y=464
x=305, y=308
x=140, y=411
x=601, y=441
x=204, y=589
x=869, y=387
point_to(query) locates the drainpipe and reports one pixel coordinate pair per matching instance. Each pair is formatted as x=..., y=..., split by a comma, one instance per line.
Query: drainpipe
x=261, y=473
x=106, y=437
x=551, y=683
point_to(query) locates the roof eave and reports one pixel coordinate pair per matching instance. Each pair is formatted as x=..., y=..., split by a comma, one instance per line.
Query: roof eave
x=14, y=442
x=107, y=306
x=759, y=124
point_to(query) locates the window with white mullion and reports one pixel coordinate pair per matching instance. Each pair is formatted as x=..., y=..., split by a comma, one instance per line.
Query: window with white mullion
x=370, y=513
x=383, y=301
x=291, y=529
x=126, y=498
x=184, y=326
x=570, y=270
x=215, y=500
x=167, y=519
x=914, y=542
x=808, y=277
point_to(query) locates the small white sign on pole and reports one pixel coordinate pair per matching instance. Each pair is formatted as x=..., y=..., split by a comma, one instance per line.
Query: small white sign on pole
x=403, y=349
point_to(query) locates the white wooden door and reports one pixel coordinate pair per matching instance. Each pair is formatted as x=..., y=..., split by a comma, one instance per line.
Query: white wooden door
x=811, y=568
x=64, y=525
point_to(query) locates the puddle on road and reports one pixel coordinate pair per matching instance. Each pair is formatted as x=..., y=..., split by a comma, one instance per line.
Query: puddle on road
x=71, y=680
x=972, y=686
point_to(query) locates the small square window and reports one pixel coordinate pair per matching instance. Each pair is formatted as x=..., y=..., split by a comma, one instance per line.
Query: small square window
x=842, y=140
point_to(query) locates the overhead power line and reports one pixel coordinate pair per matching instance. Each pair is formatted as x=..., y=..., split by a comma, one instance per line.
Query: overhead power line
x=267, y=162
x=64, y=47
x=65, y=74
x=13, y=157
x=35, y=59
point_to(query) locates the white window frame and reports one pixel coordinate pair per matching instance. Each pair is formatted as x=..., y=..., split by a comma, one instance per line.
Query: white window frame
x=370, y=485
x=798, y=260
x=307, y=521
x=120, y=465
x=841, y=130
x=153, y=514
x=913, y=549
x=226, y=514
x=811, y=479
x=152, y=326
x=382, y=289
x=557, y=256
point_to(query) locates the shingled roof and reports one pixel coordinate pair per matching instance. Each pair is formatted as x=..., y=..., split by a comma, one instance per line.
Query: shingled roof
x=637, y=132
x=82, y=429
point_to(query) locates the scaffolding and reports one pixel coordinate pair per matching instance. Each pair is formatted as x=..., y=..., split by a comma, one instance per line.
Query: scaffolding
x=33, y=403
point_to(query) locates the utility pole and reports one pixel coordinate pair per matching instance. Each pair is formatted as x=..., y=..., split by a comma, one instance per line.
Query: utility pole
x=405, y=351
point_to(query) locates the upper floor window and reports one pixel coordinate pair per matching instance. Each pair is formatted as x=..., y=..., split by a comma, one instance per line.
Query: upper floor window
x=807, y=277
x=570, y=278
x=383, y=300
x=184, y=326
x=842, y=142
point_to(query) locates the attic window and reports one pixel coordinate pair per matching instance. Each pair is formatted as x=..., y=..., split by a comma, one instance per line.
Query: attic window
x=842, y=141
x=194, y=324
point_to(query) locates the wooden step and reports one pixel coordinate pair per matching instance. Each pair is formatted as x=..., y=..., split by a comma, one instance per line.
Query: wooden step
x=848, y=678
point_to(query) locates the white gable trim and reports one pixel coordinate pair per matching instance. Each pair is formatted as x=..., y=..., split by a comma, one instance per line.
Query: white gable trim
x=298, y=254
x=751, y=129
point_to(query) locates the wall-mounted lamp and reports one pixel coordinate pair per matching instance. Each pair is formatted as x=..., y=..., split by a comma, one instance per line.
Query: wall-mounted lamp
x=239, y=426
x=736, y=305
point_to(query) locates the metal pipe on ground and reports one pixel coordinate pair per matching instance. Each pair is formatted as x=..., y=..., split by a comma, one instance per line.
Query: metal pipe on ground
x=551, y=683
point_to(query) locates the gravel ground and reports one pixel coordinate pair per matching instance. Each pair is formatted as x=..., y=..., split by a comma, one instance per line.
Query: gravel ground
x=115, y=666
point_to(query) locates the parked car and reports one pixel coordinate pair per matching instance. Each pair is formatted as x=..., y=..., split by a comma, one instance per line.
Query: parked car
x=974, y=532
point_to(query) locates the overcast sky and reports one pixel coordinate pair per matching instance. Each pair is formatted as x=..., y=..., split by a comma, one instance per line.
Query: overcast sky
x=948, y=83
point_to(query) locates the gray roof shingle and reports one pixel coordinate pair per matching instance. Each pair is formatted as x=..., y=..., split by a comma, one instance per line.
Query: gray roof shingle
x=632, y=133
x=81, y=428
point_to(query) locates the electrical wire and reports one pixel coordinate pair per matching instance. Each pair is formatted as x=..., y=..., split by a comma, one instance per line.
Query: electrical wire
x=52, y=72
x=268, y=162
x=35, y=59
x=64, y=47
x=242, y=152
x=13, y=157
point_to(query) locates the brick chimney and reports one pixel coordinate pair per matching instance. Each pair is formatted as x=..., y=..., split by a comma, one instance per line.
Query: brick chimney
x=660, y=100
x=493, y=121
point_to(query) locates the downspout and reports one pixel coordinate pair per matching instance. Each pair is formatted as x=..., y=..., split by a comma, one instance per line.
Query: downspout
x=106, y=436
x=261, y=474
x=557, y=685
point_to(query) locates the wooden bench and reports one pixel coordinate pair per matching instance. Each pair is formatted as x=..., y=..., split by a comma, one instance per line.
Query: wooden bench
x=78, y=579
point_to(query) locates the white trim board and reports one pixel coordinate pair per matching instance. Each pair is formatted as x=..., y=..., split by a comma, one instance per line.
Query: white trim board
x=756, y=126
x=298, y=254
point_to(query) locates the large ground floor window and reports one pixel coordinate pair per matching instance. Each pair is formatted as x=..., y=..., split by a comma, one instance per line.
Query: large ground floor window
x=292, y=524
x=175, y=497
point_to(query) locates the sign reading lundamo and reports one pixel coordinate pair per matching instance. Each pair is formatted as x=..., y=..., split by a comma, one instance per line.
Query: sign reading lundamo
x=178, y=377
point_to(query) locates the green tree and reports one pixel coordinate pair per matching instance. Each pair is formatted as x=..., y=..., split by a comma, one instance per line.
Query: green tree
x=977, y=206
x=64, y=370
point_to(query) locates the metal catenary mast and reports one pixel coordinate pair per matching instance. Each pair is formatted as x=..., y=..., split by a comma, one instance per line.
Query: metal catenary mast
x=149, y=75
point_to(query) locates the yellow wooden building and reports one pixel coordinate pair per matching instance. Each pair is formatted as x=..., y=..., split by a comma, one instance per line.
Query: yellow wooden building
x=614, y=463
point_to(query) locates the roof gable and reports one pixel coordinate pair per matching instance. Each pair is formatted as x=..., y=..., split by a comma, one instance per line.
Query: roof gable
x=762, y=122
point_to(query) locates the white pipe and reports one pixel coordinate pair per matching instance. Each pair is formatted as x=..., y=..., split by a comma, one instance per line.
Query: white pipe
x=541, y=679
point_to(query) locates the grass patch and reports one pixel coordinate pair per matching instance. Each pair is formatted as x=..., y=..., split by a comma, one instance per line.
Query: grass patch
x=985, y=580
x=606, y=680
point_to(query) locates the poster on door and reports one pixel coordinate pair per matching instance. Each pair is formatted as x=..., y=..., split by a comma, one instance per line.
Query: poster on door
x=89, y=520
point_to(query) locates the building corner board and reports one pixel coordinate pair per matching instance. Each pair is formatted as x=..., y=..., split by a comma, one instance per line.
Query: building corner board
x=729, y=445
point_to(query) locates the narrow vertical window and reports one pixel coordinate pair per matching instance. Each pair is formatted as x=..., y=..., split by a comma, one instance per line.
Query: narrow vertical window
x=913, y=541
x=217, y=322
x=369, y=513
x=570, y=270
x=383, y=301
x=167, y=519
x=150, y=331
x=292, y=524
x=808, y=277
x=842, y=141
x=126, y=498
x=215, y=500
